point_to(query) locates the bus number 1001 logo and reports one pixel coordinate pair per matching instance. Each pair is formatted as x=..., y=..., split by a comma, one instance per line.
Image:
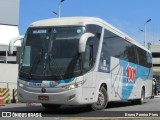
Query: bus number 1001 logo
x=130, y=74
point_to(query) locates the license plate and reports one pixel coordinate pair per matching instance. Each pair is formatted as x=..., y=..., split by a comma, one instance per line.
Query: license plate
x=43, y=98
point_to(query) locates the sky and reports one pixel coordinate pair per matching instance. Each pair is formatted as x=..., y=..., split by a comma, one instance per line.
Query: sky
x=127, y=15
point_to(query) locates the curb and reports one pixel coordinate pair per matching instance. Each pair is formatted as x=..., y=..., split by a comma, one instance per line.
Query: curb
x=158, y=96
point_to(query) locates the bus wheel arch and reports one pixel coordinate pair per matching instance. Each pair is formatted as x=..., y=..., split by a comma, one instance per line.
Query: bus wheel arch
x=102, y=98
x=144, y=90
x=103, y=85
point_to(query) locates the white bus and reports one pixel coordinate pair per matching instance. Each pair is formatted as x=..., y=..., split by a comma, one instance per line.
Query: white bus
x=82, y=60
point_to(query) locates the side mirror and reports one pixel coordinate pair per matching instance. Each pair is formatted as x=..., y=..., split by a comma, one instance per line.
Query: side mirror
x=83, y=41
x=12, y=41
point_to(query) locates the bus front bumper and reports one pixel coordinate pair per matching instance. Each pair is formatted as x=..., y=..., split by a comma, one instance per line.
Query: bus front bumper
x=70, y=97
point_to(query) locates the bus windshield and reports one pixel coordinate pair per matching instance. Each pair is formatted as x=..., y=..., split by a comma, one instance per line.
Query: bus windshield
x=51, y=53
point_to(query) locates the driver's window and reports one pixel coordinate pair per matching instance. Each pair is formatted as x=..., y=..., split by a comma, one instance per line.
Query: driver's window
x=88, y=57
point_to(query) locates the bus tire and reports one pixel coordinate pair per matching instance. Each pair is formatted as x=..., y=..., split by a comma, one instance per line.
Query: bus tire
x=102, y=100
x=141, y=100
x=51, y=106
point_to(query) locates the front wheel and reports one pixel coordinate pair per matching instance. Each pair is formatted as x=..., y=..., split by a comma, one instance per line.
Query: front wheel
x=102, y=100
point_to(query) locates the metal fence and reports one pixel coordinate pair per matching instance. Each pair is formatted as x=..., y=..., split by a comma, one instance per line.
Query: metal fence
x=10, y=85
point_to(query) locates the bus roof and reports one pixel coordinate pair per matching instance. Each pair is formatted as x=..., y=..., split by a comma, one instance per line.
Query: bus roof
x=82, y=21
x=63, y=21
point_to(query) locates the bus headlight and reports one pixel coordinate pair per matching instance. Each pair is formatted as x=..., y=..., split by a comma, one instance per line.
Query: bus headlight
x=73, y=86
x=68, y=87
x=21, y=85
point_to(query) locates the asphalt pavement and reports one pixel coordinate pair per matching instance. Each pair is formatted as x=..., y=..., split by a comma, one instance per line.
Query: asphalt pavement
x=113, y=109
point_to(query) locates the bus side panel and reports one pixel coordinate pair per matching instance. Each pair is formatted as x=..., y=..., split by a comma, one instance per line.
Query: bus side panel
x=103, y=78
x=148, y=83
x=88, y=90
x=116, y=71
x=127, y=80
x=136, y=77
x=93, y=82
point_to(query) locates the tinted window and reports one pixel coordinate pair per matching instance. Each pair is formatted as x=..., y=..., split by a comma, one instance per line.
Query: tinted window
x=92, y=46
x=145, y=58
x=116, y=46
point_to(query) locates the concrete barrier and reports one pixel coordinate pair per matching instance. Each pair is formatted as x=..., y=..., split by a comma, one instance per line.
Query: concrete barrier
x=6, y=95
x=15, y=97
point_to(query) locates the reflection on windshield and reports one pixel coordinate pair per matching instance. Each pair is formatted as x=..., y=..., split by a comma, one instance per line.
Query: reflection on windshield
x=51, y=52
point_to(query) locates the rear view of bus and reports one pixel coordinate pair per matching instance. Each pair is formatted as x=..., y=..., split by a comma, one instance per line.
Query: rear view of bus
x=61, y=63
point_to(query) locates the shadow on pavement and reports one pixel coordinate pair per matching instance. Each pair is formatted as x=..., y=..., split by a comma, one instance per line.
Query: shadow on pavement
x=66, y=110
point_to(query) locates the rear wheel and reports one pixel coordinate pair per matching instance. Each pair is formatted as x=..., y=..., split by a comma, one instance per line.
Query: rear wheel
x=51, y=106
x=102, y=100
x=141, y=100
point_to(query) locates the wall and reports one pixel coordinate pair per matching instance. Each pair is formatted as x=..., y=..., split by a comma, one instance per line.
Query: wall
x=8, y=32
x=9, y=12
x=8, y=75
x=155, y=49
x=9, y=19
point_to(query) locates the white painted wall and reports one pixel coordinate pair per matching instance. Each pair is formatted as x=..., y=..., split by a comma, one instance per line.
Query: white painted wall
x=8, y=75
x=8, y=32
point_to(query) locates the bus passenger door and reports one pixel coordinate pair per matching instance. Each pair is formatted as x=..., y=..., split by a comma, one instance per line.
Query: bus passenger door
x=89, y=85
x=88, y=65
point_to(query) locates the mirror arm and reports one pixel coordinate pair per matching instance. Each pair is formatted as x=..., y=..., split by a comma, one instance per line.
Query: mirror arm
x=12, y=41
x=83, y=41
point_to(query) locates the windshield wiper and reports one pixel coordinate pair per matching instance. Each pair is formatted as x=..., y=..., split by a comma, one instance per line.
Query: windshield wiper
x=62, y=71
x=52, y=62
x=36, y=60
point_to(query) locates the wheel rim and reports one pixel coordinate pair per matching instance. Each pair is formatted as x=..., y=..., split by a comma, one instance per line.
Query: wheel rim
x=100, y=99
x=142, y=98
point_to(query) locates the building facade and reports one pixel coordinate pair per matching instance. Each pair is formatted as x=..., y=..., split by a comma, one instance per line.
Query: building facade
x=9, y=19
x=155, y=49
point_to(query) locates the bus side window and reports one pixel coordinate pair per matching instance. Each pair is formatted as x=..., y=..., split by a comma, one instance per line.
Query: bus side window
x=89, y=62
